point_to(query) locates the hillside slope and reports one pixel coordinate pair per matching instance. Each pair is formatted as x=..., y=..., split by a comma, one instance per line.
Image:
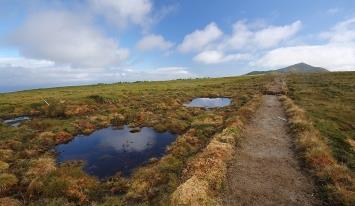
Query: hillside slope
x=297, y=68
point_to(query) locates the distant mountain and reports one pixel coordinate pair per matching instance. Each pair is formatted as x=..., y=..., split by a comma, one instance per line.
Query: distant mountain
x=297, y=68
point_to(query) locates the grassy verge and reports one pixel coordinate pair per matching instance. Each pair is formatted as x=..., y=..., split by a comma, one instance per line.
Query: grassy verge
x=335, y=180
x=205, y=174
x=329, y=100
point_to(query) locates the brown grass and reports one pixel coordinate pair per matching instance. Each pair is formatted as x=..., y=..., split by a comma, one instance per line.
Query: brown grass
x=335, y=181
x=8, y=201
x=7, y=181
x=41, y=167
x=193, y=192
x=205, y=174
x=3, y=166
x=77, y=110
x=6, y=154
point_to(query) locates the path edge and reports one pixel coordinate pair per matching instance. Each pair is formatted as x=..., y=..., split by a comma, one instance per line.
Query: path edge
x=206, y=173
x=334, y=182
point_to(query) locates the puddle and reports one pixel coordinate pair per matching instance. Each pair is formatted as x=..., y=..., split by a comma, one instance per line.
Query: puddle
x=209, y=102
x=110, y=150
x=15, y=122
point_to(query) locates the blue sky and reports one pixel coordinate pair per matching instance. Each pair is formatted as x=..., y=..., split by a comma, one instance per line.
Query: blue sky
x=58, y=43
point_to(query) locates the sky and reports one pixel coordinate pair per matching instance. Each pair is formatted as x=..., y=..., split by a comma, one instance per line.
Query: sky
x=48, y=43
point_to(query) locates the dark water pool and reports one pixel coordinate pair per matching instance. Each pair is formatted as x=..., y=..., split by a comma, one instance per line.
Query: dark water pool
x=209, y=102
x=15, y=122
x=111, y=150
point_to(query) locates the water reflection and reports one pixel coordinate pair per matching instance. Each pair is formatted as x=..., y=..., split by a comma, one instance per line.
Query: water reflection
x=15, y=122
x=110, y=150
x=209, y=102
x=129, y=142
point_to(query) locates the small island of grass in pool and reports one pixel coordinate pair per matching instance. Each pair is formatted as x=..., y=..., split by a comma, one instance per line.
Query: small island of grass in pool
x=108, y=151
x=209, y=102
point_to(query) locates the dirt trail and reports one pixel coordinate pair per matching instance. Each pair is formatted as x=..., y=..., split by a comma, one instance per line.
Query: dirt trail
x=264, y=170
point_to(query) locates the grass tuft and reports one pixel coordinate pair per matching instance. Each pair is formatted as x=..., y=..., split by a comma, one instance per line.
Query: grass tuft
x=336, y=181
x=8, y=201
x=3, y=166
x=7, y=181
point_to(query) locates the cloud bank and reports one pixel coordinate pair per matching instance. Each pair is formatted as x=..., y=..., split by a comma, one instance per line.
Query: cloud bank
x=66, y=38
x=22, y=73
x=336, y=54
x=216, y=47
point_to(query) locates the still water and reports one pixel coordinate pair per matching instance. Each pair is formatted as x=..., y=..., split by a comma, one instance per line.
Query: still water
x=209, y=102
x=15, y=122
x=110, y=150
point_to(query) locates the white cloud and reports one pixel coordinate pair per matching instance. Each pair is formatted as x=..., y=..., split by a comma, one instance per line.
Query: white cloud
x=168, y=73
x=123, y=12
x=239, y=39
x=215, y=57
x=331, y=56
x=23, y=62
x=246, y=37
x=199, y=39
x=65, y=38
x=337, y=53
x=23, y=73
x=163, y=73
x=273, y=35
x=154, y=42
x=342, y=32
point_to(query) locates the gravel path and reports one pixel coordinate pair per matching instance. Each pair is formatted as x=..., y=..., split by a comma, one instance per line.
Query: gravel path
x=264, y=170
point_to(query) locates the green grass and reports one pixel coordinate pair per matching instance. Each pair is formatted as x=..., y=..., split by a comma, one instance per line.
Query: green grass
x=329, y=99
x=83, y=109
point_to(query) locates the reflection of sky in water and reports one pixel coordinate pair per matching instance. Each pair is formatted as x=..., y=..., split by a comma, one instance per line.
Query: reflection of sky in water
x=128, y=141
x=110, y=150
x=209, y=102
x=16, y=121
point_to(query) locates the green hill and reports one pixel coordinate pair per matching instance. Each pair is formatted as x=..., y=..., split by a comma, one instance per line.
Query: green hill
x=297, y=68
